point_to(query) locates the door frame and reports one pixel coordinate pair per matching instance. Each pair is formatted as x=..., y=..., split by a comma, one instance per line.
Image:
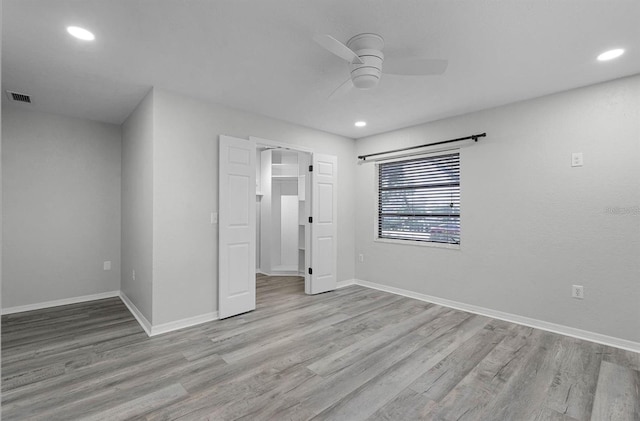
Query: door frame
x=260, y=141
x=263, y=142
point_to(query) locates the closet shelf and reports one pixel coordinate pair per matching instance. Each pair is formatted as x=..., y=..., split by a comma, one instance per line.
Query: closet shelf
x=284, y=170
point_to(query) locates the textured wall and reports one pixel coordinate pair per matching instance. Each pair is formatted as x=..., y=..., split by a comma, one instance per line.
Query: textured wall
x=61, y=207
x=185, y=267
x=137, y=207
x=531, y=224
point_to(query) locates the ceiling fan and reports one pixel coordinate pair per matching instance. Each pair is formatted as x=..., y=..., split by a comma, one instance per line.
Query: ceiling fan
x=364, y=54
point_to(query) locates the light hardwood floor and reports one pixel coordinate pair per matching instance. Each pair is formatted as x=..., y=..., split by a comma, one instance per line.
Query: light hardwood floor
x=351, y=354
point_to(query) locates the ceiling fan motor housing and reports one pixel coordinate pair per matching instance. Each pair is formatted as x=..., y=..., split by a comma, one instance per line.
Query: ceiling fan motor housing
x=368, y=47
x=367, y=75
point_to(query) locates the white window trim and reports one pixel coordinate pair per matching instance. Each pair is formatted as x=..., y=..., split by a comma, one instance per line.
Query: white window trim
x=376, y=185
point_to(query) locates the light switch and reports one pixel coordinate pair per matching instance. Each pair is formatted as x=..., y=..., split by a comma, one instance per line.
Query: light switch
x=214, y=217
x=106, y=265
x=576, y=159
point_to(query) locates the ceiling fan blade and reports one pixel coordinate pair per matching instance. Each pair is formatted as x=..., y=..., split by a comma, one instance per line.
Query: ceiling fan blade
x=336, y=47
x=415, y=66
x=342, y=90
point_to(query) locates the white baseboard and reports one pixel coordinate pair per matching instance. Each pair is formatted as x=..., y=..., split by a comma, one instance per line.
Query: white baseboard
x=284, y=269
x=62, y=302
x=146, y=325
x=153, y=330
x=281, y=273
x=183, y=323
x=346, y=283
x=509, y=317
x=495, y=314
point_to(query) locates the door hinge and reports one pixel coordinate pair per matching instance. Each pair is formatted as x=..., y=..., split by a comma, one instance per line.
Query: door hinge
x=310, y=271
x=310, y=168
x=311, y=219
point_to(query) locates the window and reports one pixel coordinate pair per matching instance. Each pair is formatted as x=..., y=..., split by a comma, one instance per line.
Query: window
x=419, y=199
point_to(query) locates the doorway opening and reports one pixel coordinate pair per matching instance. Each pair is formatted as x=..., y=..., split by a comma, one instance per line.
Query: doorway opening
x=282, y=211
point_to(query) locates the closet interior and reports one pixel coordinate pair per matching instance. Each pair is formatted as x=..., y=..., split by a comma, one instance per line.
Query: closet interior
x=283, y=209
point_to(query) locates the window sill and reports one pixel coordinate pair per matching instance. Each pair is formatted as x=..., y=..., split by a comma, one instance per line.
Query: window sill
x=418, y=243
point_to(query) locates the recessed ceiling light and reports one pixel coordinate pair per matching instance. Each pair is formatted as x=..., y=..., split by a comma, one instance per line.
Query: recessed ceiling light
x=611, y=54
x=361, y=123
x=80, y=33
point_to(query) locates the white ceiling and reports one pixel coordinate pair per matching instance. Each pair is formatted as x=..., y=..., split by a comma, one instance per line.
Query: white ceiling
x=258, y=55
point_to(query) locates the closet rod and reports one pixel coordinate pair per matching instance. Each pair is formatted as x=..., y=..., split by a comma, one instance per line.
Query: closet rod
x=474, y=137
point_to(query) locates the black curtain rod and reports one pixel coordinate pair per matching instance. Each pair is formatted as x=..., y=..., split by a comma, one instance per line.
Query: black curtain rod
x=474, y=137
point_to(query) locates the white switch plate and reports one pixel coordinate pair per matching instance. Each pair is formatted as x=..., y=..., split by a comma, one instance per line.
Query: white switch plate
x=576, y=159
x=133, y=274
x=361, y=258
x=106, y=265
x=214, y=217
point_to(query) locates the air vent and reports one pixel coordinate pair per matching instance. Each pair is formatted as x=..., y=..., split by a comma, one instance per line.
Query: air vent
x=19, y=97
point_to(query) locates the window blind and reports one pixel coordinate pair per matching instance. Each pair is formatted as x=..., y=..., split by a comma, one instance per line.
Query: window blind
x=419, y=199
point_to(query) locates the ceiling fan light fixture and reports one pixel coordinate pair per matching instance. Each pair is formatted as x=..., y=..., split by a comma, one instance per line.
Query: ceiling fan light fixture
x=360, y=123
x=80, y=33
x=611, y=54
x=365, y=81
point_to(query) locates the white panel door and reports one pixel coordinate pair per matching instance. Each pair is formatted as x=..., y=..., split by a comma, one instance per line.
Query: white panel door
x=324, y=228
x=237, y=222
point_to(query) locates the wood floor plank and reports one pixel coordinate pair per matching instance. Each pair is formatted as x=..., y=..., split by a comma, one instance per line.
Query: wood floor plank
x=351, y=354
x=215, y=396
x=33, y=358
x=574, y=382
x=69, y=343
x=276, y=340
x=375, y=393
x=84, y=386
x=547, y=414
x=407, y=405
x=470, y=399
x=10, y=382
x=272, y=387
x=617, y=394
x=444, y=376
x=348, y=355
x=308, y=400
x=141, y=405
x=526, y=386
x=354, y=374
x=621, y=357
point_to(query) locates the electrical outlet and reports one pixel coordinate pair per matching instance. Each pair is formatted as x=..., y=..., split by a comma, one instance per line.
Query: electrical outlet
x=577, y=291
x=106, y=265
x=576, y=159
x=133, y=274
x=361, y=258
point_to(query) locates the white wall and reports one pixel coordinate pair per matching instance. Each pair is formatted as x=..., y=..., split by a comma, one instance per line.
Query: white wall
x=531, y=224
x=185, y=192
x=61, y=207
x=1, y=212
x=137, y=207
